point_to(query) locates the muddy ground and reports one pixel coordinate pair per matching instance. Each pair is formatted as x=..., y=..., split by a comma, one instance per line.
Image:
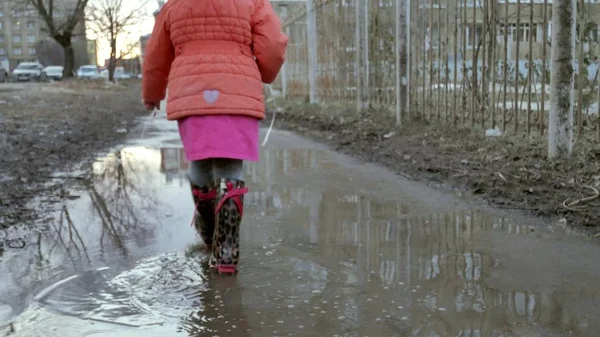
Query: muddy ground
x=50, y=127
x=510, y=172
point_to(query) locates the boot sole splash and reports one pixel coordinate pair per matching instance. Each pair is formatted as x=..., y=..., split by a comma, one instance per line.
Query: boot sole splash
x=226, y=269
x=223, y=269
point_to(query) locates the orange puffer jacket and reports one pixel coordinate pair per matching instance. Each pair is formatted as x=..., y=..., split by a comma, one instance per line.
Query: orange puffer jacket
x=214, y=56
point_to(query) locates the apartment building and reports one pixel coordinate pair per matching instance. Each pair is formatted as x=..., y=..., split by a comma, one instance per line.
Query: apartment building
x=19, y=33
x=21, y=30
x=525, y=23
x=143, y=43
x=144, y=39
x=161, y=3
x=92, y=51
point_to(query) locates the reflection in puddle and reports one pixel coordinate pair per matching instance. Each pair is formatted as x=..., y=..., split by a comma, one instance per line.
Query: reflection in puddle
x=316, y=260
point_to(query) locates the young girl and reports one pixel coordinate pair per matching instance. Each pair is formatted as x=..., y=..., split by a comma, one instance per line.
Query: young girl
x=214, y=55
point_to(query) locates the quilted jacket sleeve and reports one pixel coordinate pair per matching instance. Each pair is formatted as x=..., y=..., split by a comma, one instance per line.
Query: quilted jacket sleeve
x=269, y=42
x=159, y=55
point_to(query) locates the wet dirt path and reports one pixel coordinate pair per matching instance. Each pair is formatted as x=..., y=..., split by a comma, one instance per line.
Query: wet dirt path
x=330, y=247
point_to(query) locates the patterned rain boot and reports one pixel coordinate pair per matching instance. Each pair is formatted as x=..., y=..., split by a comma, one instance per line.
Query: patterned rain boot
x=204, y=215
x=229, y=211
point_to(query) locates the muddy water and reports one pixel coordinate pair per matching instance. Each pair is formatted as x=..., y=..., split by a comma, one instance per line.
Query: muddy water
x=331, y=247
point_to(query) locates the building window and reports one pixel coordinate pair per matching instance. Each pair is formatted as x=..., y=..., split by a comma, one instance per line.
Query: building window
x=525, y=32
x=17, y=38
x=30, y=24
x=2, y=51
x=16, y=25
x=1, y=14
x=1, y=38
x=31, y=39
x=1, y=25
x=31, y=51
x=18, y=51
x=469, y=34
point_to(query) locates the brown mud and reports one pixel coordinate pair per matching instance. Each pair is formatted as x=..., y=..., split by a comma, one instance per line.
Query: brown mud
x=50, y=127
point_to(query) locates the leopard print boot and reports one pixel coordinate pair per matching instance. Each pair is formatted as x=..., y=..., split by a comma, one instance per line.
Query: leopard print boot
x=226, y=239
x=204, y=217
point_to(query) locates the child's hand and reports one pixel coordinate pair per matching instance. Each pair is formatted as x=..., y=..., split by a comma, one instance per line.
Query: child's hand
x=151, y=106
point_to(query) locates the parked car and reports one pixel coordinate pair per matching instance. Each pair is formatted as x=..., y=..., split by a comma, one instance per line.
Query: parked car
x=3, y=74
x=52, y=73
x=119, y=74
x=88, y=72
x=27, y=71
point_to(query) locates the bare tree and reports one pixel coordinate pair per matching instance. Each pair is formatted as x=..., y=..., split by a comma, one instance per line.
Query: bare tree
x=61, y=18
x=560, y=129
x=111, y=19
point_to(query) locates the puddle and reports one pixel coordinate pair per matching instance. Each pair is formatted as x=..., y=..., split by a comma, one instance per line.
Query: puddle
x=329, y=247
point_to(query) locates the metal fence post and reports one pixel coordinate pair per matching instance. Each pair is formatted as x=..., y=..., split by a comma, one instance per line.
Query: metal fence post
x=284, y=70
x=398, y=70
x=357, y=50
x=311, y=34
x=408, y=57
x=367, y=70
x=581, y=65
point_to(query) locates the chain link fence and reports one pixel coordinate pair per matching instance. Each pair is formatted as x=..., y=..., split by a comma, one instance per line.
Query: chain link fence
x=479, y=63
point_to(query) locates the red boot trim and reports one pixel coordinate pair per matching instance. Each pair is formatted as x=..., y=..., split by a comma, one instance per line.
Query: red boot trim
x=226, y=269
x=210, y=195
x=235, y=195
x=202, y=196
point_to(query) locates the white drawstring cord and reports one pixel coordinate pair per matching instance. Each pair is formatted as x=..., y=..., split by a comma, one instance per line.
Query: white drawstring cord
x=152, y=115
x=271, y=99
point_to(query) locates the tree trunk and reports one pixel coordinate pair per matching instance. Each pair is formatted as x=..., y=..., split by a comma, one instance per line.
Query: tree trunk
x=560, y=128
x=69, y=65
x=112, y=63
x=65, y=42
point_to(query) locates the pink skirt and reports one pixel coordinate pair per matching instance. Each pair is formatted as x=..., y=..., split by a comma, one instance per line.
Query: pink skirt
x=220, y=136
